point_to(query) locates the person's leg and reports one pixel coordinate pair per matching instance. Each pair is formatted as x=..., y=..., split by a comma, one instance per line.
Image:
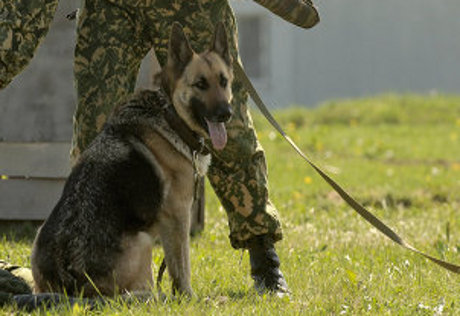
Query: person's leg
x=107, y=58
x=23, y=26
x=238, y=174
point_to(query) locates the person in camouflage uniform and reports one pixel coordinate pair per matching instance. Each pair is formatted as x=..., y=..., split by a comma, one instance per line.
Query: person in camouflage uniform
x=113, y=36
x=106, y=66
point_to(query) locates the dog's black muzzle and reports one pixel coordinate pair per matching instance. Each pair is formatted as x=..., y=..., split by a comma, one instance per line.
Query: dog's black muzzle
x=221, y=113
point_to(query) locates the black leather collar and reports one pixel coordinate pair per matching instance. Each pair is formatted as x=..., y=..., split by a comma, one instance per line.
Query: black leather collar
x=192, y=139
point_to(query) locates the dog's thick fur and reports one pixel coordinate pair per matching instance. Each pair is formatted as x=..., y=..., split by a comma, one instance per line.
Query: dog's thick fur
x=137, y=179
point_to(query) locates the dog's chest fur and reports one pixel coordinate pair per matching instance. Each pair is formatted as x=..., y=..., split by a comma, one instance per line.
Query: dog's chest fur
x=158, y=123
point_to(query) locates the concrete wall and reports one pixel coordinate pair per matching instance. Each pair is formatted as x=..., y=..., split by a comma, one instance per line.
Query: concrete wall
x=361, y=47
x=365, y=47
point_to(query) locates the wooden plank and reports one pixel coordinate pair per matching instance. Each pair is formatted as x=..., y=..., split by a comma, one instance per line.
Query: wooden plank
x=35, y=159
x=28, y=199
x=32, y=199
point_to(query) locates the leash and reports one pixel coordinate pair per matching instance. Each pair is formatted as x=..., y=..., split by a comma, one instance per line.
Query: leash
x=361, y=210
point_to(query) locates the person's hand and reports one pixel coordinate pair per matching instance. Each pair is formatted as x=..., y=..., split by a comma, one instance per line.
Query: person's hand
x=298, y=12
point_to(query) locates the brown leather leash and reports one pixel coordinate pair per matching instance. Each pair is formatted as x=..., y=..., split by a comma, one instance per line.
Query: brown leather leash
x=361, y=210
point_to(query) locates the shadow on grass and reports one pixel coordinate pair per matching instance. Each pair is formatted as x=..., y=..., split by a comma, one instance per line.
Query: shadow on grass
x=237, y=295
x=19, y=230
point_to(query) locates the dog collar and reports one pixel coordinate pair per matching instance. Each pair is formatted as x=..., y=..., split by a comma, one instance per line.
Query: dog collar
x=192, y=139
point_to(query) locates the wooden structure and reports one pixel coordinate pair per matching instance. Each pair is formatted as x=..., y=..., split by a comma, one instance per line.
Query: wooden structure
x=33, y=176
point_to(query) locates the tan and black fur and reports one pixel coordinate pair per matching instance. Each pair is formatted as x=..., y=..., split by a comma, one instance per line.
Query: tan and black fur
x=136, y=179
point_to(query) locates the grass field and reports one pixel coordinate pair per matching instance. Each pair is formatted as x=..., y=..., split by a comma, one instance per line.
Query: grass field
x=398, y=155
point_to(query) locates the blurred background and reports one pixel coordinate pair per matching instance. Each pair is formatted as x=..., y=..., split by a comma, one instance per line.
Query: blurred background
x=360, y=48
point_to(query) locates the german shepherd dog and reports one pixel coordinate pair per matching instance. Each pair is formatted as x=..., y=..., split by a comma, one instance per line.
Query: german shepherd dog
x=136, y=180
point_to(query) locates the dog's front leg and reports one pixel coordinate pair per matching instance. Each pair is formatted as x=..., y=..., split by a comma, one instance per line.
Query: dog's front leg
x=174, y=232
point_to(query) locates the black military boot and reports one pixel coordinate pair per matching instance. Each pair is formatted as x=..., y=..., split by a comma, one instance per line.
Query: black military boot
x=265, y=270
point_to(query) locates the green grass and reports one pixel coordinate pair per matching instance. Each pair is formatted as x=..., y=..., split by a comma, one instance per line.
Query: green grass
x=398, y=155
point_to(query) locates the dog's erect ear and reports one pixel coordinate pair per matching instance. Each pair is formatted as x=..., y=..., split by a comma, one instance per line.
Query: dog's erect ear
x=220, y=43
x=180, y=51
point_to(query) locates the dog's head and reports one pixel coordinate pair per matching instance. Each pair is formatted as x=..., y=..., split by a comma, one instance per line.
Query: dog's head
x=199, y=85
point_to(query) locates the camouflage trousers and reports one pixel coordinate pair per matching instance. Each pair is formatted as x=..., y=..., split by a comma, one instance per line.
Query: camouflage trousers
x=113, y=37
x=23, y=25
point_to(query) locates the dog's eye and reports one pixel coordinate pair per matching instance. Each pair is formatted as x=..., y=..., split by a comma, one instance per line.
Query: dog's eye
x=223, y=81
x=201, y=84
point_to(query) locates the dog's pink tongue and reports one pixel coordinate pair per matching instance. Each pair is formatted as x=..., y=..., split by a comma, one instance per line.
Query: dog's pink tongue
x=218, y=134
